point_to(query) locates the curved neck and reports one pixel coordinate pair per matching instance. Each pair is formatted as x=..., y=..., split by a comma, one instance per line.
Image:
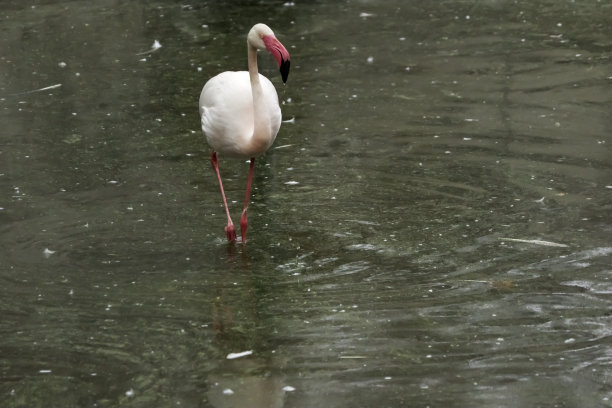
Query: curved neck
x=252, y=55
x=261, y=120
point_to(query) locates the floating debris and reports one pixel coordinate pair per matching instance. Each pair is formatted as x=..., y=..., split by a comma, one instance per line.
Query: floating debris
x=46, y=88
x=535, y=242
x=156, y=46
x=47, y=252
x=283, y=146
x=232, y=356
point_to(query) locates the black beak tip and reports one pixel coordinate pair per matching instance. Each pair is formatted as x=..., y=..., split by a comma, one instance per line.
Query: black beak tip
x=284, y=70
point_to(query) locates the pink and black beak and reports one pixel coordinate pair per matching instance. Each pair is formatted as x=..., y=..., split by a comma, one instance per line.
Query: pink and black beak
x=280, y=54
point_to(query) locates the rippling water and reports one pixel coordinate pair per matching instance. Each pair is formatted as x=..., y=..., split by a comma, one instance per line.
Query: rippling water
x=431, y=228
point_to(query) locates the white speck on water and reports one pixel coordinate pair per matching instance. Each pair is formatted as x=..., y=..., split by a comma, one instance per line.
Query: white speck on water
x=156, y=45
x=232, y=356
x=62, y=64
x=129, y=393
x=570, y=340
x=292, y=183
x=44, y=371
x=47, y=252
x=365, y=15
x=228, y=391
x=288, y=388
x=370, y=59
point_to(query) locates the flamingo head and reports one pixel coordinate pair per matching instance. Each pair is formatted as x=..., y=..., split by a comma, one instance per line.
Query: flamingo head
x=280, y=54
x=262, y=37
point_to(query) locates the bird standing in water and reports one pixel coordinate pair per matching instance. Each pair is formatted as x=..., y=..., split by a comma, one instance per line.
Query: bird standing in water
x=240, y=114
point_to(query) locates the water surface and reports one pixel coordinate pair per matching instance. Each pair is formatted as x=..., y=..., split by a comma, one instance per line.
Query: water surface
x=431, y=228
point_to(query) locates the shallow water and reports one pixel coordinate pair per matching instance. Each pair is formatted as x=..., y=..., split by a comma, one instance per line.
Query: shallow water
x=431, y=228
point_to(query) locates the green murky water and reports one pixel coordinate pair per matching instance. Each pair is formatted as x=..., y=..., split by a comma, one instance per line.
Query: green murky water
x=431, y=229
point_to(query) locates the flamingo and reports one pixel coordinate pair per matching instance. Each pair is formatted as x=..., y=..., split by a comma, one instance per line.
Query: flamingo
x=240, y=114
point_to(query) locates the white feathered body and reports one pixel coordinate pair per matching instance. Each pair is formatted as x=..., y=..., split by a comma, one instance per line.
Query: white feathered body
x=228, y=118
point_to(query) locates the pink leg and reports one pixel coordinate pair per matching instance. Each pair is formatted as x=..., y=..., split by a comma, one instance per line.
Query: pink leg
x=230, y=231
x=243, y=219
